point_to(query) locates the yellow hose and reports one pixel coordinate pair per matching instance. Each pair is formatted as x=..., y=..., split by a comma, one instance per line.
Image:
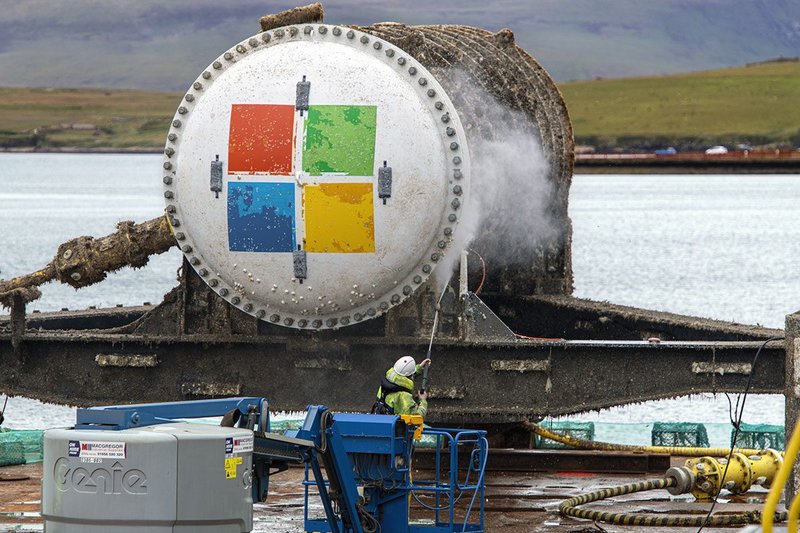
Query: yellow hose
x=778, y=484
x=794, y=513
x=570, y=508
x=584, y=444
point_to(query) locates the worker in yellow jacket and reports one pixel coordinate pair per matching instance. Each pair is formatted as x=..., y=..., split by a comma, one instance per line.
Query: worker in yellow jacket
x=396, y=393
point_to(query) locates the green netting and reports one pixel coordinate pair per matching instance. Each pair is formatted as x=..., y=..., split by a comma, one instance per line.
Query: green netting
x=20, y=446
x=679, y=434
x=280, y=426
x=760, y=437
x=11, y=453
x=577, y=430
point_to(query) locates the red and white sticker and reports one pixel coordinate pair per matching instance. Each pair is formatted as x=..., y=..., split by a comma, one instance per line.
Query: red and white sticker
x=98, y=449
x=242, y=444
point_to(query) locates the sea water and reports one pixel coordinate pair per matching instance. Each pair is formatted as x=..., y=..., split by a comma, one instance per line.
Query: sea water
x=717, y=246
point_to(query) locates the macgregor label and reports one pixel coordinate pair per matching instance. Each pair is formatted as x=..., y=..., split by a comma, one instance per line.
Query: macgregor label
x=97, y=449
x=238, y=445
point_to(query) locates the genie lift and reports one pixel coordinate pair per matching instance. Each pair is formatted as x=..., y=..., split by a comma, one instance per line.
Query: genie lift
x=118, y=460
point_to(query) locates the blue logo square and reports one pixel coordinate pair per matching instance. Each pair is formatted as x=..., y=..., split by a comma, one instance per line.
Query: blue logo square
x=261, y=217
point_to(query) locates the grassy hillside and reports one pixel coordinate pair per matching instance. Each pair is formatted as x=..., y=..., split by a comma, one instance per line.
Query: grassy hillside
x=84, y=118
x=158, y=45
x=758, y=104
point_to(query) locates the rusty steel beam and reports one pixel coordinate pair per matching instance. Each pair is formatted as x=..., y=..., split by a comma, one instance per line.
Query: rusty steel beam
x=472, y=382
x=507, y=460
x=792, y=392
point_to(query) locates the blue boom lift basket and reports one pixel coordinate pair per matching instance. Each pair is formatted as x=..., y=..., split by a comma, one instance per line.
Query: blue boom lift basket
x=369, y=468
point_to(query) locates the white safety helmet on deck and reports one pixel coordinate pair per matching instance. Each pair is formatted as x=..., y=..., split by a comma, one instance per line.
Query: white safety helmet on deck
x=405, y=366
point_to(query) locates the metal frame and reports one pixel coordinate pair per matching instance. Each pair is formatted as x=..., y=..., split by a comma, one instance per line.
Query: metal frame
x=529, y=378
x=121, y=417
x=350, y=447
x=454, y=439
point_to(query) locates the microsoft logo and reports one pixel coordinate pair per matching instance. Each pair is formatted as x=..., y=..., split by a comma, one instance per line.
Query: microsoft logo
x=301, y=181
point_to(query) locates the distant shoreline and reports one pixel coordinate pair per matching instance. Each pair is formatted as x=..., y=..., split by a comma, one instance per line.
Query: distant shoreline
x=756, y=162
x=80, y=150
x=582, y=166
x=686, y=169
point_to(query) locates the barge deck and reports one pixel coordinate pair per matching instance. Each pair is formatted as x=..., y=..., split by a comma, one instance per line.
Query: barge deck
x=521, y=500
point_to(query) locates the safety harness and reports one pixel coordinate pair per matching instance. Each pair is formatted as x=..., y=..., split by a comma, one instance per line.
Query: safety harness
x=380, y=407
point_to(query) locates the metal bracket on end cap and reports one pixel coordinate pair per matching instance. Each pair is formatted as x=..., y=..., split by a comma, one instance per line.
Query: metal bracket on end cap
x=299, y=258
x=384, y=182
x=303, y=93
x=216, y=176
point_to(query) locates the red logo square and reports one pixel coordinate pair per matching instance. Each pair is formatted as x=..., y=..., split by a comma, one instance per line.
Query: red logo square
x=262, y=139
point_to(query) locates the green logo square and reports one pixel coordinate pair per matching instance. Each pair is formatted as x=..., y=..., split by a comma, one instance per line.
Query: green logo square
x=340, y=139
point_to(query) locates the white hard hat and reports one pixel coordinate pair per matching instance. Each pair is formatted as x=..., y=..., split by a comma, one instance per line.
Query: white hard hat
x=405, y=366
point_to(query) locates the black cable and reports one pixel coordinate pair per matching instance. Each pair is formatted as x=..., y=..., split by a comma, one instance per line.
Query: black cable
x=731, y=410
x=323, y=426
x=3, y=412
x=431, y=507
x=738, y=397
x=460, y=492
x=736, y=426
x=367, y=518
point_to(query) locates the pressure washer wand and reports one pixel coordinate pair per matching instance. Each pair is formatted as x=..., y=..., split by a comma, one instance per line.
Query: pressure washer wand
x=430, y=346
x=433, y=334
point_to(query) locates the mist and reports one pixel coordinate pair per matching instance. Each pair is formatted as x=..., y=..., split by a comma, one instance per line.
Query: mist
x=506, y=215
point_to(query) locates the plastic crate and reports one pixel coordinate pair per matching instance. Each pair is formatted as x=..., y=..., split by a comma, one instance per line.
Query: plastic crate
x=682, y=434
x=759, y=437
x=576, y=430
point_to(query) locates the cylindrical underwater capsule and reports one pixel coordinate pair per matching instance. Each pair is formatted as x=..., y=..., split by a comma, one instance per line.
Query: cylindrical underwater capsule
x=316, y=175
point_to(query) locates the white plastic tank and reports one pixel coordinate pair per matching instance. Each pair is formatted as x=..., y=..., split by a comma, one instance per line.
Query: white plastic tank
x=315, y=175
